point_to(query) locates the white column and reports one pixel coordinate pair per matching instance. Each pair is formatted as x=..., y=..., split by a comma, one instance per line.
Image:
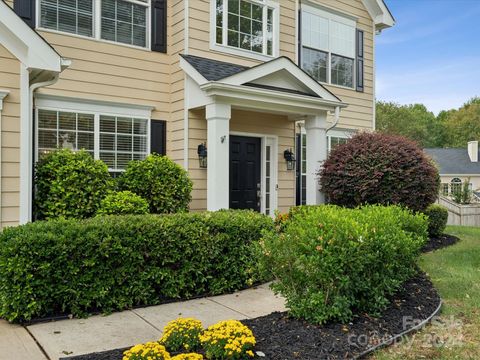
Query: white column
x=218, y=148
x=26, y=144
x=315, y=128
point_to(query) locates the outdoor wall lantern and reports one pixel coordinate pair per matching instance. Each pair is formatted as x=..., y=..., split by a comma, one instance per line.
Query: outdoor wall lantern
x=290, y=159
x=202, y=155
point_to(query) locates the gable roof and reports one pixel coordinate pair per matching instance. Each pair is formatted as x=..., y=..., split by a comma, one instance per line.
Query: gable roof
x=26, y=44
x=279, y=74
x=453, y=161
x=380, y=13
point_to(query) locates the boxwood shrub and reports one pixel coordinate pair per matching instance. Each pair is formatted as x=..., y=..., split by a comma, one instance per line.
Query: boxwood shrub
x=331, y=262
x=437, y=219
x=123, y=203
x=159, y=180
x=70, y=184
x=112, y=263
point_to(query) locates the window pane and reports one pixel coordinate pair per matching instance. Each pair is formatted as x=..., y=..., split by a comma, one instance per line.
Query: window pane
x=70, y=16
x=85, y=141
x=85, y=122
x=342, y=39
x=108, y=158
x=67, y=121
x=342, y=71
x=245, y=26
x=107, y=142
x=315, y=31
x=47, y=119
x=107, y=124
x=47, y=139
x=124, y=22
x=314, y=62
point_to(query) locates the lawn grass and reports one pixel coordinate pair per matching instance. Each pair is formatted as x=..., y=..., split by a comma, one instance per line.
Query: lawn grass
x=455, y=271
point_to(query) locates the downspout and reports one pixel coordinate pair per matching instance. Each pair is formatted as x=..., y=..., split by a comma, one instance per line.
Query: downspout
x=3, y=94
x=64, y=63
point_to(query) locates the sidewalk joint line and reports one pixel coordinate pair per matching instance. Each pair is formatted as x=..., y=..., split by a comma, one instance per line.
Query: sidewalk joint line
x=38, y=343
x=148, y=322
x=225, y=306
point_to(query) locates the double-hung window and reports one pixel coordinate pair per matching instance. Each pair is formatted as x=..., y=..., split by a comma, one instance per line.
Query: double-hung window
x=121, y=21
x=328, y=46
x=114, y=139
x=249, y=25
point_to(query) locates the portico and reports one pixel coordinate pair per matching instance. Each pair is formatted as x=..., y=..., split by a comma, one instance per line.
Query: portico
x=277, y=88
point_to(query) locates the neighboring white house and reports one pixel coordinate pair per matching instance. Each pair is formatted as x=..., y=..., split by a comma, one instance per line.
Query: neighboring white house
x=456, y=166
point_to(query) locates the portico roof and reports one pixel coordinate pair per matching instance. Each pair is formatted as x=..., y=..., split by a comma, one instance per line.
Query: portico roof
x=279, y=84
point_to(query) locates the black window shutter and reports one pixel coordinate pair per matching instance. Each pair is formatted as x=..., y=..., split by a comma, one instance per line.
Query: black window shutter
x=158, y=137
x=360, y=61
x=159, y=25
x=26, y=10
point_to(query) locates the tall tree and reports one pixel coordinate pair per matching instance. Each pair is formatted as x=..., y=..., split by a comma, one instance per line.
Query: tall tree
x=463, y=125
x=412, y=121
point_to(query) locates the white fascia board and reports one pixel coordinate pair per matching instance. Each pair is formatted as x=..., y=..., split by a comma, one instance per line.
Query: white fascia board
x=268, y=100
x=192, y=72
x=25, y=44
x=379, y=13
x=3, y=95
x=275, y=65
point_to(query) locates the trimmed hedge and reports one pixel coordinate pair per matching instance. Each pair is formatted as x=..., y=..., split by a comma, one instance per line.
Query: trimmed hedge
x=123, y=203
x=159, y=180
x=112, y=263
x=374, y=168
x=331, y=262
x=70, y=184
x=437, y=219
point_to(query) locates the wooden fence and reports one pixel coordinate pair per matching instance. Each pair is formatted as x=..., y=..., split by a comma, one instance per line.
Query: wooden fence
x=467, y=215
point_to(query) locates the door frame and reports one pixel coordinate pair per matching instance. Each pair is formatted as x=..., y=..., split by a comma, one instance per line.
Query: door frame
x=272, y=141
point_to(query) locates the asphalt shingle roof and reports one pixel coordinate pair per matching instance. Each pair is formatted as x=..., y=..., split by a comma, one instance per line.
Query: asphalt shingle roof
x=213, y=70
x=453, y=161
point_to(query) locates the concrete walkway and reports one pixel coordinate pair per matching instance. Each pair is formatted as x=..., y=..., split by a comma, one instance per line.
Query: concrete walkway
x=57, y=339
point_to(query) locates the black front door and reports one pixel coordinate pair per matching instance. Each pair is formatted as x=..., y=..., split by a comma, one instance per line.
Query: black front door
x=244, y=172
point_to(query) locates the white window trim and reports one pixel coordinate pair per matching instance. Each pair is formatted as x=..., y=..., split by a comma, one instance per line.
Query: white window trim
x=97, y=109
x=331, y=15
x=242, y=52
x=97, y=21
x=272, y=141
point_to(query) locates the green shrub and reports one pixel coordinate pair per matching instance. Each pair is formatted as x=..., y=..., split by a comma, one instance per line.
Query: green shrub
x=69, y=185
x=159, y=180
x=331, y=262
x=437, y=219
x=111, y=263
x=374, y=168
x=123, y=203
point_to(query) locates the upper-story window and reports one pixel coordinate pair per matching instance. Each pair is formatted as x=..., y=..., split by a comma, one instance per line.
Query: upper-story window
x=122, y=21
x=248, y=25
x=328, y=46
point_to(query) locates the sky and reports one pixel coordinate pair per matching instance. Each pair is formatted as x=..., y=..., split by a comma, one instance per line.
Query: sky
x=431, y=55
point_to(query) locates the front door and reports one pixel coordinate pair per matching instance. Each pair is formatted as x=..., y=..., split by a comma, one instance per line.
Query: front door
x=245, y=174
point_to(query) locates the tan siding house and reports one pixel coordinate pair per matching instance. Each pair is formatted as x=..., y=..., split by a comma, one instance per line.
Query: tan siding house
x=254, y=82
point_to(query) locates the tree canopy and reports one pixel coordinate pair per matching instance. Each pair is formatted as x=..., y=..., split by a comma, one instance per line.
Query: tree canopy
x=450, y=128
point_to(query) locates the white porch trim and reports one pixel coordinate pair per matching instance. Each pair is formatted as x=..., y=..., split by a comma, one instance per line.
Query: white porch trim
x=218, y=145
x=315, y=127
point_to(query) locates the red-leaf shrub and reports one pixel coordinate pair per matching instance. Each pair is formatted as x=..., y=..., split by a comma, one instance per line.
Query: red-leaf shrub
x=375, y=168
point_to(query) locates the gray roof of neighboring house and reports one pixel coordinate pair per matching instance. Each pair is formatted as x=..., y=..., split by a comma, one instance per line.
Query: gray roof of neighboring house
x=453, y=161
x=213, y=70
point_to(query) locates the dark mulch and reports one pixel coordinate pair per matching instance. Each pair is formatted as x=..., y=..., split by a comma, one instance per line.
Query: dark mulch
x=442, y=241
x=280, y=337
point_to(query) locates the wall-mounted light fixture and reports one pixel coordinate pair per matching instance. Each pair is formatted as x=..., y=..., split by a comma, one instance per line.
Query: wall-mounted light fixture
x=202, y=155
x=290, y=159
